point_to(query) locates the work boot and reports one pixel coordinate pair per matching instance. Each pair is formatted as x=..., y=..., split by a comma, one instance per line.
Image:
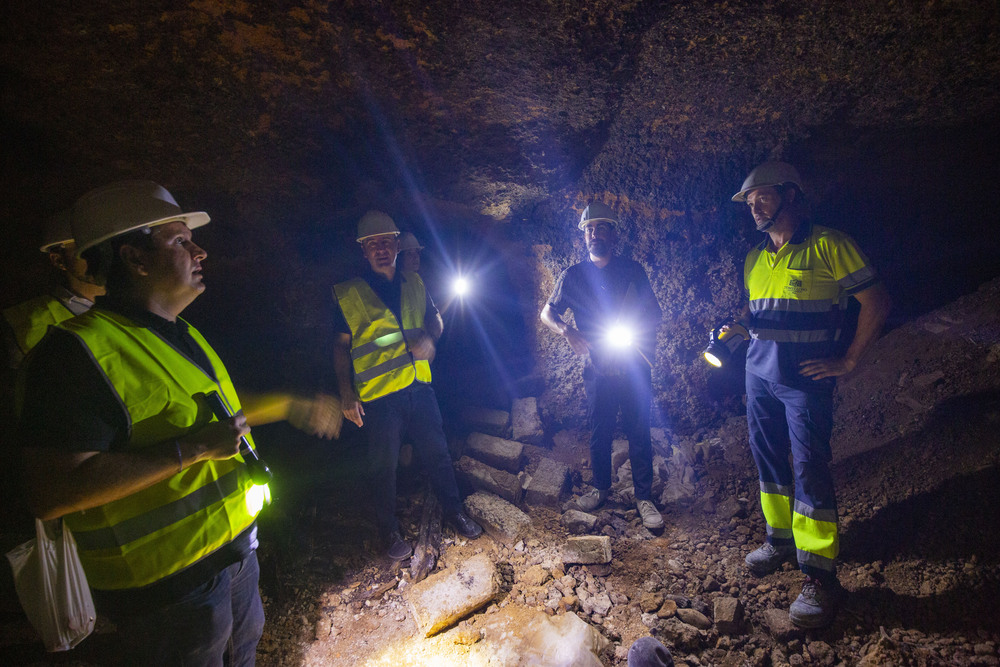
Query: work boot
x=398, y=549
x=816, y=605
x=464, y=525
x=592, y=499
x=768, y=558
x=651, y=518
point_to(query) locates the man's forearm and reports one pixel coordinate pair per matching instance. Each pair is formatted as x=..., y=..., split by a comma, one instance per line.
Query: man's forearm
x=58, y=482
x=551, y=320
x=342, y=367
x=874, y=311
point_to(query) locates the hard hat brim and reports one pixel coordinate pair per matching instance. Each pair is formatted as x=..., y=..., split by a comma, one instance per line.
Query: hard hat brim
x=193, y=220
x=368, y=236
x=614, y=223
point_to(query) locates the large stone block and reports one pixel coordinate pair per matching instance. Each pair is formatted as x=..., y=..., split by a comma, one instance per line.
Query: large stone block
x=445, y=597
x=526, y=423
x=547, y=483
x=619, y=454
x=478, y=475
x=497, y=452
x=501, y=520
x=587, y=550
x=487, y=420
x=728, y=614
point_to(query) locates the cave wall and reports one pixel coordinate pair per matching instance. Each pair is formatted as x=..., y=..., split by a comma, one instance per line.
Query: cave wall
x=485, y=128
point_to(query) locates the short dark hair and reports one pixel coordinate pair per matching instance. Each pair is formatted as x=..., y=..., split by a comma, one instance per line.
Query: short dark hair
x=105, y=263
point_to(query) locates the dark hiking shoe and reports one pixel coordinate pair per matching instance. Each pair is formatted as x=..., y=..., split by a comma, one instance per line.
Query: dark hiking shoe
x=398, y=549
x=816, y=605
x=463, y=525
x=768, y=558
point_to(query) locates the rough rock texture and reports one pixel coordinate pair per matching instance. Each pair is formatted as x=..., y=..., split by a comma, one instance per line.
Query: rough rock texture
x=445, y=597
x=502, y=521
x=497, y=452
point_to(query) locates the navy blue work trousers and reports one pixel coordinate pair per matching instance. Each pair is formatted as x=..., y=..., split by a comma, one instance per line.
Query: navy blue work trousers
x=410, y=413
x=788, y=422
x=217, y=624
x=630, y=392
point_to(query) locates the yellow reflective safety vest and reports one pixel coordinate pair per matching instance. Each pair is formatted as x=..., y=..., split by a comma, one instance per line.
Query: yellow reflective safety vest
x=379, y=352
x=150, y=534
x=31, y=319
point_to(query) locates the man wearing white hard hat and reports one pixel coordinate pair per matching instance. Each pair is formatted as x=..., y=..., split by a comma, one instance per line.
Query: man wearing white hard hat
x=797, y=283
x=386, y=326
x=409, y=252
x=616, y=315
x=120, y=441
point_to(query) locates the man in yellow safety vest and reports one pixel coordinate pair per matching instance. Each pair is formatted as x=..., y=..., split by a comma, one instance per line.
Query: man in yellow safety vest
x=386, y=327
x=118, y=440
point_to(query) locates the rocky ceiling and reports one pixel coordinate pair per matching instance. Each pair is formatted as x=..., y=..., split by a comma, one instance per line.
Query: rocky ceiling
x=506, y=116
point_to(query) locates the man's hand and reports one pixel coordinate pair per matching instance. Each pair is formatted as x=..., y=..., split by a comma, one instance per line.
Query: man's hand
x=576, y=341
x=216, y=441
x=320, y=416
x=421, y=346
x=817, y=369
x=352, y=407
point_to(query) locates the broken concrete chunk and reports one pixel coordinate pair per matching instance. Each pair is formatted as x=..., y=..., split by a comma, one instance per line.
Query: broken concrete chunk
x=547, y=483
x=444, y=598
x=728, y=615
x=502, y=521
x=493, y=422
x=526, y=423
x=586, y=550
x=578, y=522
x=551, y=641
x=494, y=451
x=779, y=625
x=478, y=475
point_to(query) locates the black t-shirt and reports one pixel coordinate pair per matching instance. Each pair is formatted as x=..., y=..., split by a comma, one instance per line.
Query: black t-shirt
x=600, y=298
x=69, y=404
x=390, y=292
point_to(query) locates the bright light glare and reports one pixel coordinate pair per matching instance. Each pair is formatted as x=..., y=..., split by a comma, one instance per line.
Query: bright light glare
x=620, y=336
x=256, y=496
x=712, y=359
x=461, y=286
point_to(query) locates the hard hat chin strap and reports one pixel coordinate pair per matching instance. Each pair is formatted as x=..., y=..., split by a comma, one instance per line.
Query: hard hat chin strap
x=767, y=223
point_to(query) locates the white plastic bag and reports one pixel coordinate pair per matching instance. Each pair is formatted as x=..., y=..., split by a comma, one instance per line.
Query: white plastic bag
x=52, y=586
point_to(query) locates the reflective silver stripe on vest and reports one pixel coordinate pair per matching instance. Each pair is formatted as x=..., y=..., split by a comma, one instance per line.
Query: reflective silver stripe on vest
x=792, y=305
x=863, y=274
x=377, y=344
x=776, y=489
x=383, y=368
x=829, y=516
x=158, y=518
x=789, y=336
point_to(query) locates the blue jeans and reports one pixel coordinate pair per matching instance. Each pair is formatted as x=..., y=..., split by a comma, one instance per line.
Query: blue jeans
x=218, y=623
x=412, y=413
x=606, y=394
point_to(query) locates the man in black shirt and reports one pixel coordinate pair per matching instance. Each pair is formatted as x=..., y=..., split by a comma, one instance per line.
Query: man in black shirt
x=616, y=315
x=117, y=441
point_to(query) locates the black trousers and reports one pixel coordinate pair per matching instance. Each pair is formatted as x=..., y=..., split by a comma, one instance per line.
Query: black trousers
x=629, y=392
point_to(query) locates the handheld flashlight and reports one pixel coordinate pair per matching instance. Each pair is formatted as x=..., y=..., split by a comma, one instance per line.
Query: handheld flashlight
x=722, y=344
x=619, y=336
x=259, y=472
x=461, y=286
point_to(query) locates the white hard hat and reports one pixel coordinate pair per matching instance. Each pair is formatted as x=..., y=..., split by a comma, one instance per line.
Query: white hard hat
x=375, y=223
x=125, y=206
x=407, y=241
x=598, y=211
x=769, y=174
x=58, y=231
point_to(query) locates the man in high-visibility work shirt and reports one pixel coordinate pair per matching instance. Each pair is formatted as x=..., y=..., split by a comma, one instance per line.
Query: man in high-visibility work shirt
x=797, y=283
x=386, y=326
x=118, y=440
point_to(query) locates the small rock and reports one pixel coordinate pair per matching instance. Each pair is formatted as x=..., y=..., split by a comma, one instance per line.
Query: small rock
x=695, y=618
x=668, y=609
